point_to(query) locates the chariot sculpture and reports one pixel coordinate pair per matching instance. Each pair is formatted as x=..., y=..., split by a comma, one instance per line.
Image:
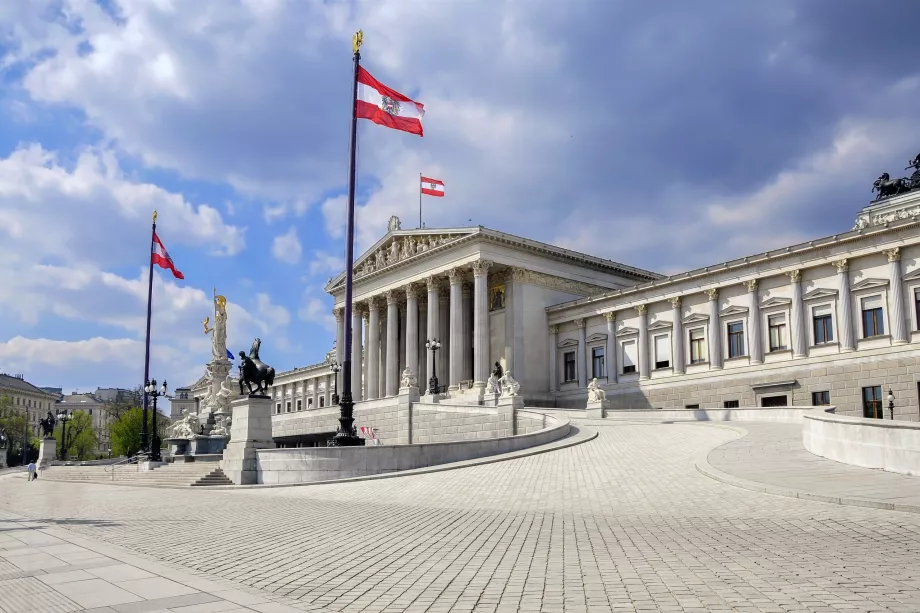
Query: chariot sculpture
x=255, y=371
x=888, y=187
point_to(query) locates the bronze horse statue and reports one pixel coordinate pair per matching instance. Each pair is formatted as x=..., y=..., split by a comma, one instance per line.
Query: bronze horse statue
x=254, y=370
x=887, y=187
x=47, y=425
x=914, y=178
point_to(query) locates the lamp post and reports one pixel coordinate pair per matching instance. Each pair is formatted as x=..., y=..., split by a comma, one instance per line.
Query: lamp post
x=891, y=403
x=433, y=345
x=64, y=417
x=153, y=453
x=335, y=371
x=25, y=437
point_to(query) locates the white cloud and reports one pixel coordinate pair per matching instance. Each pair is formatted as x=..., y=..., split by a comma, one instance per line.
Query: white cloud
x=324, y=263
x=286, y=247
x=314, y=309
x=273, y=316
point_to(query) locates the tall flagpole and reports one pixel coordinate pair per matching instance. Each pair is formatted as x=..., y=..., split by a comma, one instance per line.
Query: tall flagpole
x=419, y=201
x=346, y=436
x=153, y=231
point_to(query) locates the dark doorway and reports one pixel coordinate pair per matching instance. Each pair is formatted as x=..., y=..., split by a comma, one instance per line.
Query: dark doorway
x=773, y=401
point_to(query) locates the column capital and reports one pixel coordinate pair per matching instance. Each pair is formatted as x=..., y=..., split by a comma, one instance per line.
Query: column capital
x=443, y=294
x=610, y=315
x=553, y=329
x=713, y=293
x=518, y=274
x=467, y=288
x=411, y=290
x=481, y=267
x=339, y=313
x=356, y=309
x=642, y=308
x=579, y=323
x=372, y=303
x=392, y=296
x=433, y=283
x=455, y=275
x=841, y=265
x=675, y=302
x=751, y=285
x=893, y=254
x=795, y=275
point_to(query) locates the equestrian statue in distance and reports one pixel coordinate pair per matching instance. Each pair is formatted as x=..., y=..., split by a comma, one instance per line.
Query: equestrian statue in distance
x=254, y=370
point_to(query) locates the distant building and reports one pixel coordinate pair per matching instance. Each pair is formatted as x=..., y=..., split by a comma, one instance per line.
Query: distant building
x=34, y=401
x=95, y=406
x=57, y=391
x=117, y=394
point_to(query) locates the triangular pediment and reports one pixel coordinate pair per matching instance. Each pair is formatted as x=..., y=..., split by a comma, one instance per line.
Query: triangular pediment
x=627, y=331
x=594, y=338
x=912, y=276
x=819, y=293
x=776, y=301
x=399, y=247
x=660, y=325
x=569, y=342
x=696, y=318
x=733, y=311
x=869, y=284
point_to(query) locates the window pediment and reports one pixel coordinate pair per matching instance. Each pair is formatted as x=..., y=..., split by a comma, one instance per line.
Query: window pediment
x=627, y=331
x=569, y=342
x=660, y=325
x=819, y=293
x=696, y=318
x=775, y=302
x=912, y=276
x=869, y=284
x=595, y=338
x=733, y=311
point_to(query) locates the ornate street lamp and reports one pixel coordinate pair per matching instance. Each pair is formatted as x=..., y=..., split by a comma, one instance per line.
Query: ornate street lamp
x=433, y=345
x=335, y=371
x=891, y=403
x=64, y=417
x=153, y=453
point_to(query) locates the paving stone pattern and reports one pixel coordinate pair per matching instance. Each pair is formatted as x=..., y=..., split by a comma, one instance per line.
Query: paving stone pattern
x=621, y=523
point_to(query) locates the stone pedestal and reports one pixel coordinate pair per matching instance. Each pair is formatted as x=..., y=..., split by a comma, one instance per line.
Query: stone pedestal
x=177, y=446
x=2, y=457
x=46, y=452
x=597, y=410
x=251, y=430
x=407, y=396
x=507, y=412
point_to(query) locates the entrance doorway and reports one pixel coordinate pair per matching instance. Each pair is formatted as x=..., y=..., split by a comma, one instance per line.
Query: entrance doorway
x=774, y=401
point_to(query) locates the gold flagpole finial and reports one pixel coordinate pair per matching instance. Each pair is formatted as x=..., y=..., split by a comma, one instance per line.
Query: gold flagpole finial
x=357, y=40
x=154, y=217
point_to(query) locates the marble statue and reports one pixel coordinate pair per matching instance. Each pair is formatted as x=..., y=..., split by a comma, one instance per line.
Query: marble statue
x=492, y=386
x=394, y=224
x=408, y=379
x=222, y=428
x=219, y=336
x=379, y=259
x=394, y=251
x=509, y=386
x=595, y=393
x=186, y=427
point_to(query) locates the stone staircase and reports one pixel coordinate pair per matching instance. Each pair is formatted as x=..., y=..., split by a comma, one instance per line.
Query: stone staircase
x=177, y=474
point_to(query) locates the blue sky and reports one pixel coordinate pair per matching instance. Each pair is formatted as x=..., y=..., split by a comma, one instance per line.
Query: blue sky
x=664, y=139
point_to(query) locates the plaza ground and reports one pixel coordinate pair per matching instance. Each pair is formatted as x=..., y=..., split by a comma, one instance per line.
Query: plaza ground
x=624, y=522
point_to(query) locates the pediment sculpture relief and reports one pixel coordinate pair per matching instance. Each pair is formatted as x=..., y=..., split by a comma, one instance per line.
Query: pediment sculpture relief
x=401, y=248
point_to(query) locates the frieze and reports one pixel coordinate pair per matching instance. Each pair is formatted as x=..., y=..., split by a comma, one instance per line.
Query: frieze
x=567, y=286
x=402, y=248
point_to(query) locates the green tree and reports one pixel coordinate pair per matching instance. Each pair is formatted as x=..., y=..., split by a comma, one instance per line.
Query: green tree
x=126, y=431
x=13, y=425
x=124, y=402
x=81, y=438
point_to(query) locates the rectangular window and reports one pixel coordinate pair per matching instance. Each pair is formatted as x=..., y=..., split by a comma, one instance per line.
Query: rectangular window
x=288, y=406
x=662, y=351
x=691, y=406
x=630, y=357
x=278, y=408
x=299, y=404
x=773, y=401
x=322, y=401
x=872, y=317
x=872, y=402
x=777, y=325
x=309, y=403
x=823, y=325
x=820, y=399
x=917, y=306
x=598, y=368
x=730, y=404
x=568, y=359
x=697, y=346
x=736, y=339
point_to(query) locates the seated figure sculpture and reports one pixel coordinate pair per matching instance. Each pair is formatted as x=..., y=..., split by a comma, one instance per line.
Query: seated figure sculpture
x=509, y=386
x=186, y=427
x=595, y=393
x=408, y=379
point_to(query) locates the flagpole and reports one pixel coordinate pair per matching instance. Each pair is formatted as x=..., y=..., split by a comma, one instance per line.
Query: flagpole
x=420, y=201
x=346, y=435
x=144, y=435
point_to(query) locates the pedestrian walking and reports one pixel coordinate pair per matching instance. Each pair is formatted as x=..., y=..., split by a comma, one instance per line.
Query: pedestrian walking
x=32, y=473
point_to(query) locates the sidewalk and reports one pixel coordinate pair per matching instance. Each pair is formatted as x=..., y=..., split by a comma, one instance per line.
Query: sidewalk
x=52, y=570
x=770, y=458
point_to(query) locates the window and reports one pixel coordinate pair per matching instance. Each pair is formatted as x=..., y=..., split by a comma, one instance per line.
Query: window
x=91, y=412
x=730, y=404
x=823, y=324
x=697, y=346
x=630, y=357
x=598, y=368
x=820, y=399
x=568, y=359
x=917, y=306
x=662, y=351
x=872, y=317
x=691, y=406
x=278, y=408
x=322, y=401
x=777, y=325
x=300, y=404
x=872, y=402
x=773, y=401
x=288, y=406
x=736, y=339
x=309, y=403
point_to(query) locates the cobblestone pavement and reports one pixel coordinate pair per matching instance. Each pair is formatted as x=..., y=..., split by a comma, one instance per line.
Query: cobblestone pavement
x=621, y=523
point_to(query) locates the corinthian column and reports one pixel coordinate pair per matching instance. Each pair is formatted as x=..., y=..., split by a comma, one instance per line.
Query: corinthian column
x=432, y=333
x=898, y=324
x=553, y=366
x=339, y=343
x=412, y=362
x=677, y=337
x=715, y=330
x=798, y=315
x=755, y=342
x=456, y=327
x=613, y=372
x=846, y=315
x=392, y=376
x=372, y=354
x=481, y=322
x=356, y=342
x=444, y=317
x=643, y=342
x=580, y=356
x=466, y=368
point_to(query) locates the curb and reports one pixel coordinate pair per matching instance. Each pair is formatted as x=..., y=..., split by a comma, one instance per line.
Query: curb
x=706, y=469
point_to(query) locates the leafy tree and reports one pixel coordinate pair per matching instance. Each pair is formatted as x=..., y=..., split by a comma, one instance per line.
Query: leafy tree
x=13, y=425
x=126, y=431
x=81, y=438
x=123, y=403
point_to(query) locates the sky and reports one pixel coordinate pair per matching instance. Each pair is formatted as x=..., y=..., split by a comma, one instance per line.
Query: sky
x=665, y=139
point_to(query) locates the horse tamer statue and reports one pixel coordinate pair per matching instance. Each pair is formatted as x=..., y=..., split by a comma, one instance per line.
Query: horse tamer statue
x=254, y=370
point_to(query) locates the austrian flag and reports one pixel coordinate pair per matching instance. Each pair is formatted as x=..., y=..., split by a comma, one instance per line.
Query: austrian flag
x=387, y=107
x=432, y=187
x=160, y=257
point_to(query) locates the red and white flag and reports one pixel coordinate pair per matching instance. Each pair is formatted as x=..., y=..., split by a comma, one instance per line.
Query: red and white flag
x=160, y=257
x=432, y=187
x=387, y=107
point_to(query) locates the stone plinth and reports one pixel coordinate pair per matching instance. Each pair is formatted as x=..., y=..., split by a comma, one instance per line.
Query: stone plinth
x=598, y=409
x=251, y=430
x=177, y=446
x=407, y=396
x=46, y=452
x=2, y=457
x=507, y=409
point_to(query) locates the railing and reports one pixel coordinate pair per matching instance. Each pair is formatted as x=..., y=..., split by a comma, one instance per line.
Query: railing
x=135, y=459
